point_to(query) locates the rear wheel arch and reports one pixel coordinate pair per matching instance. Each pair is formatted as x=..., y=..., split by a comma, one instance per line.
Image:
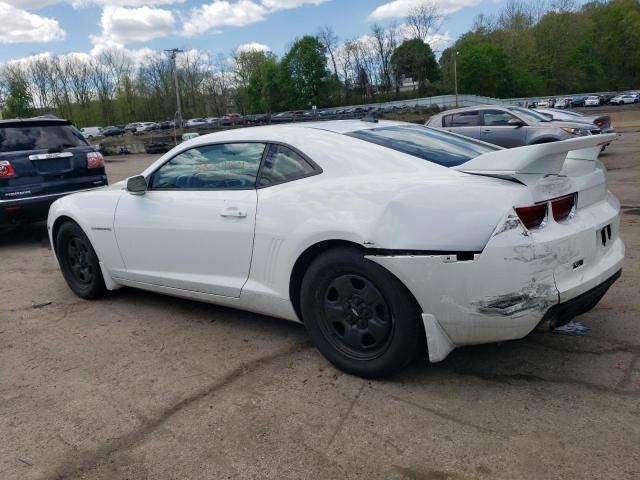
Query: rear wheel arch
x=306, y=259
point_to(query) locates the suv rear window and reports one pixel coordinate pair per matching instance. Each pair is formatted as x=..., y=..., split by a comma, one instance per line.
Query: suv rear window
x=429, y=144
x=32, y=136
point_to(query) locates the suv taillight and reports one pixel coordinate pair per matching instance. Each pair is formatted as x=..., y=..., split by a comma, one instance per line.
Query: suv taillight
x=95, y=160
x=533, y=216
x=6, y=170
x=563, y=207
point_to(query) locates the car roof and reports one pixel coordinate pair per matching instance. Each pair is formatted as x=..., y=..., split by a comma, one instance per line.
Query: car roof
x=476, y=107
x=349, y=156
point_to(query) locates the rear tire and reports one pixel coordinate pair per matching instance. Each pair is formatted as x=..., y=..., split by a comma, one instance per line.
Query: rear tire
x=79, y=263
x=360, y=316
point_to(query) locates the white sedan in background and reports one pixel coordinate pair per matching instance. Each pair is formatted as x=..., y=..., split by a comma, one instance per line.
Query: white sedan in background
x=592, y=101
x=379, y=237
x=624, y=99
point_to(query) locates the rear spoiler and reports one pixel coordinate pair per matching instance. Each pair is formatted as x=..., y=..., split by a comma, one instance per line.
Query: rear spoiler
x=545, y=158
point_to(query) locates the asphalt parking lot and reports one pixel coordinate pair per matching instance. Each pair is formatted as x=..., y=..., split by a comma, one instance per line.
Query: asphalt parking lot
x=143, y=386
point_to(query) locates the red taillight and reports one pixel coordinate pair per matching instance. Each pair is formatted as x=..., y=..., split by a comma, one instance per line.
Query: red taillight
x=563, y=206
x=6, y=170
x=95, y=160
x=532, y=216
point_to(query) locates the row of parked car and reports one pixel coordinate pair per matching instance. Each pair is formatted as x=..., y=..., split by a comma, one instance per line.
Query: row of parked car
x=588, y=101
x=142, y=127
x=235, y=119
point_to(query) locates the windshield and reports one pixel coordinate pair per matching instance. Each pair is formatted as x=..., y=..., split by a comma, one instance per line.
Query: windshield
x=439, y=147
x=529, y=115
x=39, y=137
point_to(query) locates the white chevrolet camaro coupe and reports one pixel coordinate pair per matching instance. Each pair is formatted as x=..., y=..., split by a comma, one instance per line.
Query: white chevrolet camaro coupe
x=383, y=238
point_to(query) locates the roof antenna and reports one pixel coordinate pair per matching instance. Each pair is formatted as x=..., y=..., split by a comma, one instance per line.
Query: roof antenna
x=372, y=116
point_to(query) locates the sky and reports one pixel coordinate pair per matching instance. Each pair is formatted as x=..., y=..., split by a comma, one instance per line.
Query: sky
x=32, y=27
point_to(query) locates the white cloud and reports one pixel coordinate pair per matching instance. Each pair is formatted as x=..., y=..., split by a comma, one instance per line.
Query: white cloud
x=286, y=4
x=222, y=13
x=400, y=8
x=20, y=26
x=252, y=47
x=119, y=3
x=31, y=4
x=230, y=13
x=121, y=26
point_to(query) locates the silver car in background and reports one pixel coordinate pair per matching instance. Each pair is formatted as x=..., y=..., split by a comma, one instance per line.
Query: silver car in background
x=509, y=126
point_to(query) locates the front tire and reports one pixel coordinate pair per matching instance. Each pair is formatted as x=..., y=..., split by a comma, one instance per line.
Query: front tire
x=79, y=263
x=360, y=316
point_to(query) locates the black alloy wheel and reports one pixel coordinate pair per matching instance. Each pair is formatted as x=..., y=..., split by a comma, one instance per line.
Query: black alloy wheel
x=78, y=261
x=359, y=315
x=356, y=317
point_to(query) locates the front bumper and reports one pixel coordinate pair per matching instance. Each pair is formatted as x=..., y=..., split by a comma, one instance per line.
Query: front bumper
x=508, y=289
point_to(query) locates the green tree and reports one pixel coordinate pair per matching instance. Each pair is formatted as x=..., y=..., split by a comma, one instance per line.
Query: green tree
x=304, y=73
x=414, y=58
x=484, y=70
x=264, y=92
x=19, y=101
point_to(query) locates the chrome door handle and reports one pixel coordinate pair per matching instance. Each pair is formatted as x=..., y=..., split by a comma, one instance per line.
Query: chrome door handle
x=233, y=212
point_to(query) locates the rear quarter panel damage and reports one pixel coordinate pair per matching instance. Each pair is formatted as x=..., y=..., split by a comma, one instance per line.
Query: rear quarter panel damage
x=500, y=295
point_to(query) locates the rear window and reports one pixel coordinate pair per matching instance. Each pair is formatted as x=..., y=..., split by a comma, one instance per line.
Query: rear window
x=39, y=137
x=435, y=146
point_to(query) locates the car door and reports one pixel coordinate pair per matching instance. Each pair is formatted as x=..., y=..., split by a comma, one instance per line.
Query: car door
x=193, y=228
x=465, y=123
x=496, y=129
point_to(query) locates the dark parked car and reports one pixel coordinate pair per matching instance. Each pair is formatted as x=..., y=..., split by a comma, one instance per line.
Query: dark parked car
x=508, y=126
x=578, y=101
x=41, y=160
x=166, y=125
x=113, y=131
x=606, y=98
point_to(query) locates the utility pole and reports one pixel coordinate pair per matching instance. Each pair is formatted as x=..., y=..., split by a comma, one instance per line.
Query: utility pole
x=172, y=56
x=455, y=74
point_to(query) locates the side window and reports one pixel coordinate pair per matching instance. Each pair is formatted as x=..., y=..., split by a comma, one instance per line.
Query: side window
x=496, y=118
x=462, y=119
x=281, y=164
x=224, y=166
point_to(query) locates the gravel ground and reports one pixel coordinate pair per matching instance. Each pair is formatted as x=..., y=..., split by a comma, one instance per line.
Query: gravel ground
x=143, y=386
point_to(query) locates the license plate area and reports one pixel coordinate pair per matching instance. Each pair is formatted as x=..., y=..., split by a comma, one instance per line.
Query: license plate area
x=52, y=165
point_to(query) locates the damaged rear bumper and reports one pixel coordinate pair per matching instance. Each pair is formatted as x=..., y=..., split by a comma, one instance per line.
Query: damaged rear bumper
x=518, y=280
x=564, y=312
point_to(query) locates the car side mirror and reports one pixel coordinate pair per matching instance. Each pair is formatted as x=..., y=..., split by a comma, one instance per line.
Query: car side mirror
x=516, y=122
x=136, y=185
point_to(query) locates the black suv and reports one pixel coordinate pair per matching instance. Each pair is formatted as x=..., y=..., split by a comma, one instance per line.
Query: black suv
x=41, y=160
